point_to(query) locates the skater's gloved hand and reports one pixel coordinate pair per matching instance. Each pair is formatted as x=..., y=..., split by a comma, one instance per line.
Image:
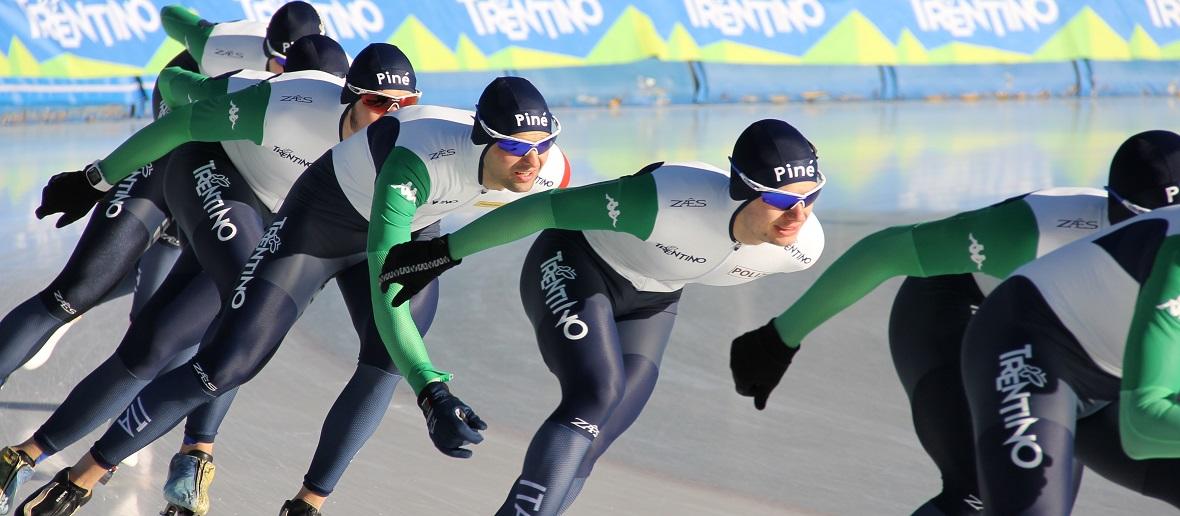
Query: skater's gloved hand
x=414, y=265
x=450, y=422
x=72, y=194
x=758, y=360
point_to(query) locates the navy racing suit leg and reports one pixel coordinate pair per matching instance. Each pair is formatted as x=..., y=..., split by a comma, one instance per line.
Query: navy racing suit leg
x=926, y=327
x=1099, y=447
x=316, y=234
x=1027, y=379
x=571, y=297
x=185, y=302
x=120, y=229
x=644, y=336
x=361, y=405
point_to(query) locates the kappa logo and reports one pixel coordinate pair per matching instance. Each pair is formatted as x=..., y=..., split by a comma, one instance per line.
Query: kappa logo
x=441, y=153
x=233, y=115
x=407, y=191
x=295, y=98
x=976, y=250
x=612, y=210
x=444, y=201
x=1172, y=306
x=1077, y=224
x=688, y=203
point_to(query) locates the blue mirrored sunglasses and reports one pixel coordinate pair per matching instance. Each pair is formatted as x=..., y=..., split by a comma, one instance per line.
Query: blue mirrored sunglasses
x=519, y=147
x=782, y=199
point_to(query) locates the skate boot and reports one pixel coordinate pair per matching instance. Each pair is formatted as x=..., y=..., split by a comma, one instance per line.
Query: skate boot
x=187, y=487
x=15, y=468
x=59, y=497
x=298, y=508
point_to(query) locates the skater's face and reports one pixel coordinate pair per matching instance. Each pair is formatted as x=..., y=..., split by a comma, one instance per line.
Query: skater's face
x=760, y=222
x=504, y=170
x=274, y=66
x=373, y=104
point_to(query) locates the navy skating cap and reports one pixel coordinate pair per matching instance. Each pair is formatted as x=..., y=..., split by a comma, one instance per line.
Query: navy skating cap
x=379, y=66
x=510, y=105
x=317, y=52
x=773, y=154
x=289, y=23
x=1146, y=169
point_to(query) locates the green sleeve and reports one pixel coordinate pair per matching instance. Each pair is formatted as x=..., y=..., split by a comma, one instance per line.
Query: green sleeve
x=993, y=240
x=185, y=26
x=402, y=185
x=179, y=86
x=237, y=116
x=1149, y=409
x=628, y=205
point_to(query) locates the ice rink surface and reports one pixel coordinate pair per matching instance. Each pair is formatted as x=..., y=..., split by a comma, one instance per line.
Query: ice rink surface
x=836, y=437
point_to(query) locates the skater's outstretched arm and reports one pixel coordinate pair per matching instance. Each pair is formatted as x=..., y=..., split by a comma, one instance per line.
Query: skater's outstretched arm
x=179, y=86
x=186, y=27
x=993, y=241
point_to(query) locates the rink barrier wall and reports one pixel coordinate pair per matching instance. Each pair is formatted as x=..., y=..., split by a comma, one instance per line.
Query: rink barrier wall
x=652, y=83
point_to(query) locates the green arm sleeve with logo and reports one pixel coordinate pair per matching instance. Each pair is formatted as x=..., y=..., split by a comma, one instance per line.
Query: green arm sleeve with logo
x=628, y=205
x=179, y=86
x=1149, y=407
x=237, y=116
x=185, y=26
x=402, y=185
x=993, y=240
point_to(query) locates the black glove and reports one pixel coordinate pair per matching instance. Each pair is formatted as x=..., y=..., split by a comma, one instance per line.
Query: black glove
x=71, y=194
x=758, y=360
x=414, y=265
x=450, y=422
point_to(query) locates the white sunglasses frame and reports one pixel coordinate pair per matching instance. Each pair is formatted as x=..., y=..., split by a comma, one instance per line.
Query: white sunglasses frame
x=821, y=181
x=495, y=135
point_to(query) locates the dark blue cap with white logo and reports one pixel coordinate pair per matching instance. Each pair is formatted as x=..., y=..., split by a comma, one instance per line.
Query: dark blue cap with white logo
x=379, y=66
x=317, y=52
x=773, y=154
x=289, y=23
x=1145, y=170
x=510, y=105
